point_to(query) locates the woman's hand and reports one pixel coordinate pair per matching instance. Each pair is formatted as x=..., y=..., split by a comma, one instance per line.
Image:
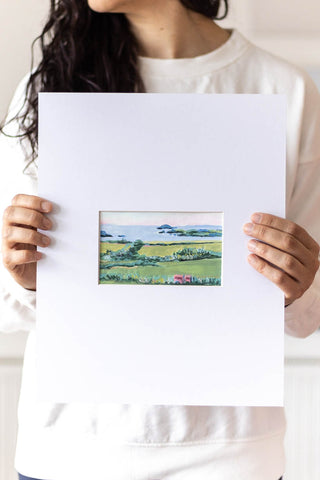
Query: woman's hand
x=20, y=237
x=283, y=252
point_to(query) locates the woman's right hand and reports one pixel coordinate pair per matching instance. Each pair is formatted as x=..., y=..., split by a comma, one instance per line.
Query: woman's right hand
x=20, y=237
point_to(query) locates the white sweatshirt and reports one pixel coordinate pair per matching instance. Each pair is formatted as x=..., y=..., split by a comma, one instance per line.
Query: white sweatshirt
x=152, y=442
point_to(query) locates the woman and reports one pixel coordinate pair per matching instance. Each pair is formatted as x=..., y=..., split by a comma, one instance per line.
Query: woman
x=158, y=46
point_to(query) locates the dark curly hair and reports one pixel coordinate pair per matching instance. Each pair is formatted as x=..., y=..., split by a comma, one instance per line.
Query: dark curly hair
x=86, y=51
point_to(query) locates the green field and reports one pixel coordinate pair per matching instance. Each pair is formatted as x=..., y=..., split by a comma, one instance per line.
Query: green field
x=118, y=266
x=113, y=246
x=169, y=249
x=198, y=268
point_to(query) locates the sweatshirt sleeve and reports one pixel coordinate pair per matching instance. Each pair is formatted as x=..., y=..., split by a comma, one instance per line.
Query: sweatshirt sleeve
x=17, y=305
x=302, y=317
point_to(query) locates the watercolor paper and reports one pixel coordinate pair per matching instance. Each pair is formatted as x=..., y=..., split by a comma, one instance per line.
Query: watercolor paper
x=145, y=294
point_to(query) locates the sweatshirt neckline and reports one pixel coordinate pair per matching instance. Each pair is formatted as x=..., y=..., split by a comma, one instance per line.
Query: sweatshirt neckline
x=195, y=66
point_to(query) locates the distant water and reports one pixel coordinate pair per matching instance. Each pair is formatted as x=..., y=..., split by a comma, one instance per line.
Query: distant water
x=151, y=233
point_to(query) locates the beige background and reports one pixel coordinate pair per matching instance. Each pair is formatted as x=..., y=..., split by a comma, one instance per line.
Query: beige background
x=20, y=23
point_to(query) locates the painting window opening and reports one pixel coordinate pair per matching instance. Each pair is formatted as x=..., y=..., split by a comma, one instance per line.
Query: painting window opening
x=161, y=248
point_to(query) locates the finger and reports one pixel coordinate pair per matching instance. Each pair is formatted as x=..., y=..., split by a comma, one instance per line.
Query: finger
x=287, y=226
x=13, y=235
x=285, y=262
x=32, y=202
x=24, y=216
x=290, y=287
x=281, y=240
x=13, y=258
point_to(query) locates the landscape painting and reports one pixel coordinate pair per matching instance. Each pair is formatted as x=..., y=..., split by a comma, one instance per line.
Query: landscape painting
x=161, y=248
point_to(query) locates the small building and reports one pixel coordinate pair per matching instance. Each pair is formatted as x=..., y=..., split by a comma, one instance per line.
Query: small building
x=182, y=279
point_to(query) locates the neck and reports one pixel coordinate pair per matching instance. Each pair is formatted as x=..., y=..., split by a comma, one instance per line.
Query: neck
x=169, y=30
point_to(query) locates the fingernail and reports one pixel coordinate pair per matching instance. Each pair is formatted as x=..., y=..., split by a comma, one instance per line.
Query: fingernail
x=46, y=206
x=46, y=223
x=252, y=259
x=45, y=240
x=248, y=227
x=256, y=218
x=252, y=245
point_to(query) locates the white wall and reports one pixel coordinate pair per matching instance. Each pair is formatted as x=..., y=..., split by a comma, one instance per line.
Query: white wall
x=20, y=23
x=289, y=28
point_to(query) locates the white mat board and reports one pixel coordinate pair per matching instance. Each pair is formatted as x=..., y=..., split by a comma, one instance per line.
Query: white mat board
x=155, y=344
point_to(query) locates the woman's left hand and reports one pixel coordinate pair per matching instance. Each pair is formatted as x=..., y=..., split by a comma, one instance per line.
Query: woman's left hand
x=283, y=252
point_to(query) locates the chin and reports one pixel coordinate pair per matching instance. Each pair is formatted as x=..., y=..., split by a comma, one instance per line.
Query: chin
x=103, y=6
